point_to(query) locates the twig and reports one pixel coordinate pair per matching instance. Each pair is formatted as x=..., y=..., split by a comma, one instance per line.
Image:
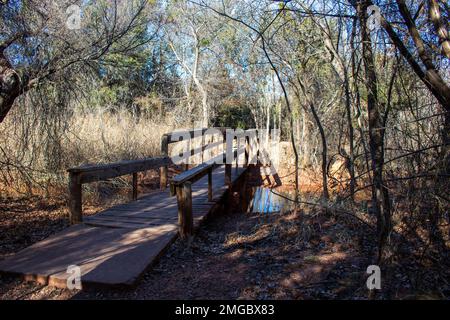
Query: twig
x=323, y=207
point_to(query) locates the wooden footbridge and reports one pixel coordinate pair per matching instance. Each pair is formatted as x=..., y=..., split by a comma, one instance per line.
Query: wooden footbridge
x=116, y=246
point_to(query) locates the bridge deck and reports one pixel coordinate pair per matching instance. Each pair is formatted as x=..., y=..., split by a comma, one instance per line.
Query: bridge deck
x=117, y=245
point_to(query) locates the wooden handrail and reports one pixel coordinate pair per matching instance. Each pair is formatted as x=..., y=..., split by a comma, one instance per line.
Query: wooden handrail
x=101, y=172
x=193, y=174
x=167, y=139
x=181, y=186
x=192, y=133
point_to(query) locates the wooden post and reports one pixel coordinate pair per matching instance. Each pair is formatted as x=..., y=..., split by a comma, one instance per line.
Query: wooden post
x=237, y=152
x=191, y=153
x=163, y=170
x=228, y=174
x=251, y=196
x=228, y=168
x=135, y=186
x=210, y=190
x=75, y=198
x=258, y=152
x=243, y=192
x=247, y=150
x=203, y=148
x=185, y=219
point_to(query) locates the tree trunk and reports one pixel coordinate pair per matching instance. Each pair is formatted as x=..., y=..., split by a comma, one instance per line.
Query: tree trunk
x=324, y=151
x=205, y=108
x=380, y=194
x=10, y=86
x=267, y=122
x=357, y=105
x=439, y=27
x=342, y=72
x=351, y=160
x=304, y=139
x=430, y=77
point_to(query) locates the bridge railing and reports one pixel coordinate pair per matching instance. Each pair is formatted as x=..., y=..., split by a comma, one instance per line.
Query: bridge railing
x=181, y=186
x=101, y=172
x=168, y=139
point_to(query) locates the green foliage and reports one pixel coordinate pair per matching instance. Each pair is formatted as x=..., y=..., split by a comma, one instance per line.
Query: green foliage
x=234, y=117
x=204, y=42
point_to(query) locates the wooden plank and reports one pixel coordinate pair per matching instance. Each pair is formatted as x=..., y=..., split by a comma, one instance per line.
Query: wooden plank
x=106, y=256
x=99, y=172
x=199, y=171
x=151, y=205
x=153, y=214
x=168, y=215
x=171, y=139
x=173, y=206
x=116, y=246
x=135, y=220
x=193, y=174
x=125, y=224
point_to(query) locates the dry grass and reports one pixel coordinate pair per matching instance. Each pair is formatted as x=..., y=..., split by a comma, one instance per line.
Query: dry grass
x=35, y=162
x=104, y=137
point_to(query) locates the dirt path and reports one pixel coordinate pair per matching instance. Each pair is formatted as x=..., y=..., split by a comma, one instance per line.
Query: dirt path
x=241, y=256
x=307, y=254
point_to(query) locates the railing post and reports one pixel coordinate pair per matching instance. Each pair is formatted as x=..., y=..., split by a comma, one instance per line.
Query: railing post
x=228, y=174
x=228, y=168
x=228, y=182
x=163, y=170
x=243, y=196
x=210, y=190
x=185, y=219
x=75, y=198
x=247, y=150
x=203, y=148
x=191, y=152
x=236, y=138
x=135, y=186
